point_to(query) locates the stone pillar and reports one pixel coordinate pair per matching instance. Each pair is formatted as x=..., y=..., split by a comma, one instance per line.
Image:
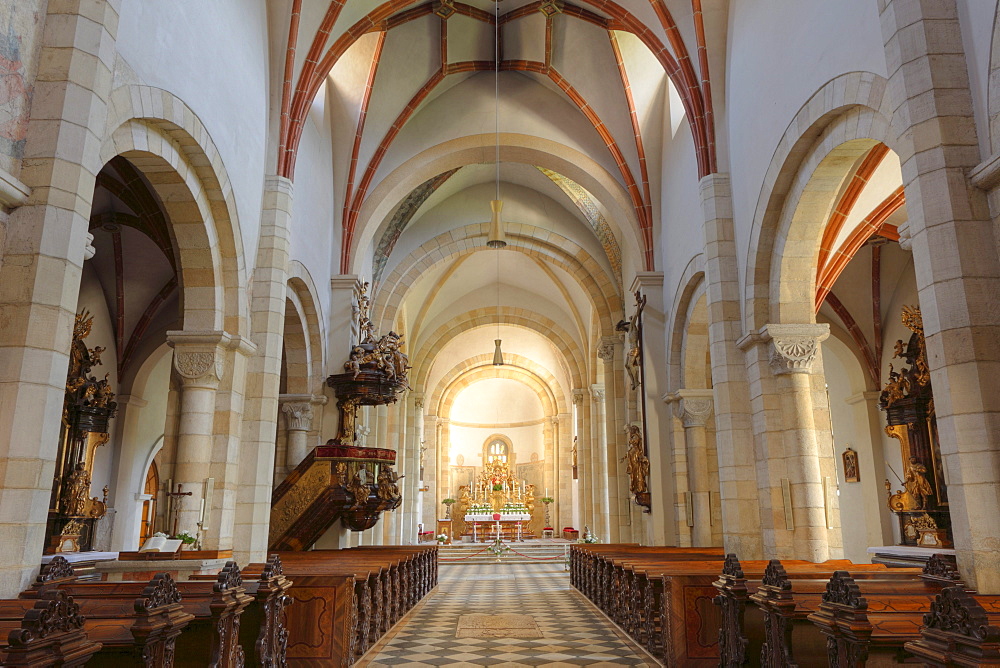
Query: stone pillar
x=444, y=461
x=42, y=263
x=563, y=492
x=549, y=428
x=584, y=468
x=298, y=412
x=416, y=483
x=260, y=419
x=694, y=408
x=609, y=352
x=797, y=468
x=199, y=359
x=740, y=504
x=957, y=263
x=602, y=506
x=433, y=493
x=657, y=423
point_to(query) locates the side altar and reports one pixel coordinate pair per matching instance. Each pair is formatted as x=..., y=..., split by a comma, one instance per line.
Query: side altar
x=497, y=491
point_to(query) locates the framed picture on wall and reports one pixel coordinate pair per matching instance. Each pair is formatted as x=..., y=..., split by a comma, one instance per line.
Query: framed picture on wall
x=851, y=471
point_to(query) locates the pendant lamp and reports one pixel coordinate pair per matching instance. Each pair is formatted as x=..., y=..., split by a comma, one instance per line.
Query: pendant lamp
x=496, y=239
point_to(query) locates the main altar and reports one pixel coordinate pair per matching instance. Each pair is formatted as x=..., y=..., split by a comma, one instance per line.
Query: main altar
x=497, y=503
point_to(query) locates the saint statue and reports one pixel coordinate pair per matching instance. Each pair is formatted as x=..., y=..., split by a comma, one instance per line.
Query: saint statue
x=638, y=464
x=917, y=485
x=388, y=490
x=76, y=492
x=529, y=498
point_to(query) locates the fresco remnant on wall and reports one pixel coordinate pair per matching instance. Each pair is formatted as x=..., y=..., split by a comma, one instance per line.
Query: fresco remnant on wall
x=20, y=27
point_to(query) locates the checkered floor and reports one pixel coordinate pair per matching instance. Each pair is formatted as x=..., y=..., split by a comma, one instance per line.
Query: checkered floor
x=574, y=633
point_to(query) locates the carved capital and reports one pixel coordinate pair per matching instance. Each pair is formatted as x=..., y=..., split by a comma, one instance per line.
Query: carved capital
x=694, y=410
x=793, y=348
x=199, y=357
x=298, y=415
x=598, y=393
x=606, y=349
x=418, y=400
x=578, y=396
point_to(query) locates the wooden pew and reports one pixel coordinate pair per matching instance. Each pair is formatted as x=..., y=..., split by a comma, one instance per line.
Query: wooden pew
x=48, y=631
x=961, y=629
x=264, y=625
x=869, y=620
x=346, y=599
x=211, y=638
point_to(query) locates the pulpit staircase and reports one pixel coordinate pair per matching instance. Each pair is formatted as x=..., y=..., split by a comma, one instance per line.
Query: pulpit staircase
x=333, y=482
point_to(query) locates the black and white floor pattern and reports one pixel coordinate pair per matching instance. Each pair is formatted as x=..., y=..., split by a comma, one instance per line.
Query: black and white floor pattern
x=573, y=632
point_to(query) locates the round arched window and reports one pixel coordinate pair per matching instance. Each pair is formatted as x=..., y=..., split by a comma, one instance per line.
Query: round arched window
x=497, y=451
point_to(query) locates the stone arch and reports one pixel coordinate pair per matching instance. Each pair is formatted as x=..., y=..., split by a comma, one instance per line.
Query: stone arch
x=574, y=358
x=480, y=367
x=479, y=149
x=533, y=241
x=690, y=287
x=853, y=110
x=165, y=140
x=303, y=332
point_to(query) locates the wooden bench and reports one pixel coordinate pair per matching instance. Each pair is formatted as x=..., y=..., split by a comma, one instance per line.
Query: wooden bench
x=48, y=631
x=961, y=629
x=868, y=620
x=347, y=599
x=210, y=638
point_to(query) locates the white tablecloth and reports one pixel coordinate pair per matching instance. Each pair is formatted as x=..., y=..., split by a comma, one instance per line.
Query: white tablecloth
x=504, y=517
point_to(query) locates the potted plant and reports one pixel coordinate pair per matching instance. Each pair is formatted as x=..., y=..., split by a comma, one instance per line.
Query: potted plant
x=548, y=520
x=186, y=539
x=441, y=538
x=447, y=504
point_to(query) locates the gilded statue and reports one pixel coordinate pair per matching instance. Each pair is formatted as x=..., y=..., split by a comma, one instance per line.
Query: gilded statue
x=529, y=498
x=633, y=358
x=388, y=490
x=359, y=487
x=638, y=464
x=76, y=492
x=917, y=485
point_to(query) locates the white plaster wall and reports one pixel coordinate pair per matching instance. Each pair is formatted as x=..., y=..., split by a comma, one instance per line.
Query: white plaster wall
x=780, y=53
x=682, y=235
x=314, y=237
x=977, y=18
x=214, y=57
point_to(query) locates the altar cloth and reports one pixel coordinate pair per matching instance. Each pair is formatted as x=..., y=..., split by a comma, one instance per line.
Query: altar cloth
x=504, y=517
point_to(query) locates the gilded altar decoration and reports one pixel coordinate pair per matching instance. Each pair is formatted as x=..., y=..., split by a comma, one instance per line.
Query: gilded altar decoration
x=88, y=407
x=388, y=490
x=637, y=466
x=908, y=401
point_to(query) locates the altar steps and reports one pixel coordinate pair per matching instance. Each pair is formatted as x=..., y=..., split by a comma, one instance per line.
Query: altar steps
x=529, y=552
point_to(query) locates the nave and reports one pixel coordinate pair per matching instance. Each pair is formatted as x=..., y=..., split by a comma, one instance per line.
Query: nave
x=564, y=629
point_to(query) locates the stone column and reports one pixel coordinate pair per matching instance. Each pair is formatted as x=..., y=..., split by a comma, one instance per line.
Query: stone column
x=416, y=495
x=584, y=468
x=199, y=359
x=431, y=496
x=694, y=408
x=42, y=264
x=657, y=423
x=260, y=418
x=608, y=351
x=957, y=263
x=563, y=492
x=298, y=412
x=741, y=515
x=444, y=472
x=793, y=443
x=602, y=505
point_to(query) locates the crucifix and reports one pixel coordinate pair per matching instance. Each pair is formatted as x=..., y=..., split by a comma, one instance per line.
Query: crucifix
x=175, y=506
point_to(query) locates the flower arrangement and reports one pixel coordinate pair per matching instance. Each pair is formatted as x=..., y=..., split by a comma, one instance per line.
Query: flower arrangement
x=159, y=534
x=448, y=502
x=441, y=538
x=497, y=487
x=546, y=500
x=186, y=538
x=589, y=538
x=497, y=547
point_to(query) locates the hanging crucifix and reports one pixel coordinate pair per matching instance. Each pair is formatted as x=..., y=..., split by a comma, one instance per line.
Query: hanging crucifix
x=637, y=374
x=175, y=506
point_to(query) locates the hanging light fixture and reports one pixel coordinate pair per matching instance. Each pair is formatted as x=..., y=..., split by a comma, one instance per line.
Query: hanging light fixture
x=496, y=238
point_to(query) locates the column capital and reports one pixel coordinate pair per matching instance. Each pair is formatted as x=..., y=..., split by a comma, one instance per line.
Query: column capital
x=606, y=348
x=693, y=407
x=578, y=395
x=647, y=279
x=793, y=348
x=345, y=282
x=597, y=393
x=418, y=399
x=298, y=411
x=554, y=420
x=199, y=357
